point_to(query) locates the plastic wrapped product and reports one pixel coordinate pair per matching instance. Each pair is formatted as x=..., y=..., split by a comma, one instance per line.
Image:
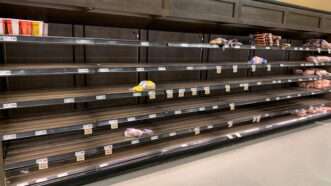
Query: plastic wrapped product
x=25, y=27
x=309, y=72
x=318, y=59
x=321, y=72
x=144, y=86
x=257, y=60
x=132, y=132
x=12, y=27
x=218, y=41
x=2, y=26
x=37, y=28
x=302, y=113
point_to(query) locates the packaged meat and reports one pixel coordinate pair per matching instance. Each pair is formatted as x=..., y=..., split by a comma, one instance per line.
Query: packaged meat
x=257, y=60
x=37, y=28
x=12, y=26
x=317, y=43
x=2, y=26
x=321, y=72
x=267, y=39
x=309, y=72
x=301, y=113
x=318, y=59
x=132, y=132
x=218, y=41
x=144, y=86
x=25, y=27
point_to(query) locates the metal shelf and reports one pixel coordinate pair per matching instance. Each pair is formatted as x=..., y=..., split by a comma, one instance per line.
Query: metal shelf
x=115, y=118
x=59, y=40
x=23, y=99
x=158, y=150
x=62, y=69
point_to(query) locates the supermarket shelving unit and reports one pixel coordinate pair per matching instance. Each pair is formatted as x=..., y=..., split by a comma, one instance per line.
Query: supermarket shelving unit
x=66, y=99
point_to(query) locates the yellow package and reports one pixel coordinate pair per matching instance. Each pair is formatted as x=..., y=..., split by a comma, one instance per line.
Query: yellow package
x=37, y=28
x=144, y=86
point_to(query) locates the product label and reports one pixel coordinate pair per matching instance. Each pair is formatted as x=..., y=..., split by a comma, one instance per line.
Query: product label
x=218, y=69
x=113, y=124
x=207, y=90
x=42, y=163
x=88, y=129
x=151, y=94
x=181, y=92
x=194, y=91
x=170, y=94
x=108, y=149
x=80, y=156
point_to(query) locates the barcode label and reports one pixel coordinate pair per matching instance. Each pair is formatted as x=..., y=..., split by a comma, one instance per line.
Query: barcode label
x=5, y=72
x=108, y=149
x=144, y=43
x=151, y=116
x=210, y=126
x=88, y=129
x=83, y=70
x=9, y=137
x=8, y=38
x=40, y=132
x=202, y=109
x=170, y=94
x=189, y=68
x=80, y=156
x=136, y=94
x=151, y=94
x=227, y=88
x=69, y=100
x=218, y=69
x=100, y=97
x=177, y=112
x=133, y=142
x=162, y=69
x=215, y=107
x=140, y=69
x=131, y=119
x=235, y=68
x=9, y=105
x=194, y=91
x=154, y=138
x=104, y=70
x=253, y=47
x=181, y=92
x=253, y=68
x=232, y=106
x=207, y=90
x=197, y=131
x=113, y=124
x=42, y=163
x=268, y=67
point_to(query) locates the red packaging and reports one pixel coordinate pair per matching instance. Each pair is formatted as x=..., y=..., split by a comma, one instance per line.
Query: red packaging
x=25, y=27
x=11, y=26
x=2, y=26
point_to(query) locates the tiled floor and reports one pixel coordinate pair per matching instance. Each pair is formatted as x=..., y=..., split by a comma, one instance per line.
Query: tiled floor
x=301, y=157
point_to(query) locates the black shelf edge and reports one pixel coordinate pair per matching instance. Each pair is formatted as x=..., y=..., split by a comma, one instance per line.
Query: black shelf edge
x=99, y=150
x=117, y=122
x=185, y=147
x=60, y=40
x=103, y=68
x=152, y=94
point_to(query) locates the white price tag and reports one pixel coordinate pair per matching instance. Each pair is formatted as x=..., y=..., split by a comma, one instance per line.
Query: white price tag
x=268, y=67
x=281, y=65
x=235, y=68
x=329, y=51
x=230, y=124
x=162, y=69
x=194, y=91
x=80, y=156
x=154, y=138
x=104, y=70
x=40, y=132
x=210, y=126
x=83, y=70
x=197, y=131
x=259, y=83
x=108, y=149
x=232, y=106
x=202, y=108
x=215, y=107
x=62, y=175
x=140, y=69
x=319, y=50
x=42, y=163
x=295, y=48
x=130, y=119
x=301, y=48
x=177, y=112
x=5, y=73
x=103, y=165
x=133, y=142
x=189, y=68
x=8, y=38
x=227, y=88
x=267, y=99
x=170, y=94
x=113, y=124
x=88, y=129
x=253, y=68
x=268, y=48
x=181, y=93
x=253, y=47
x=9, y=137
x=245, y=85
x=100, y=97
x=144, y=43
x=229, y=136
x=151, y=116
x=136, y=94
x=151, y=95
x=69, y=100
x=172, y=134
x=207, y=90
x=9, y=105
x=218, y=69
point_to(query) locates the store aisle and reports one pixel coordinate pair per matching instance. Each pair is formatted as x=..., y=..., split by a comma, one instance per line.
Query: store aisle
x=300, y=157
